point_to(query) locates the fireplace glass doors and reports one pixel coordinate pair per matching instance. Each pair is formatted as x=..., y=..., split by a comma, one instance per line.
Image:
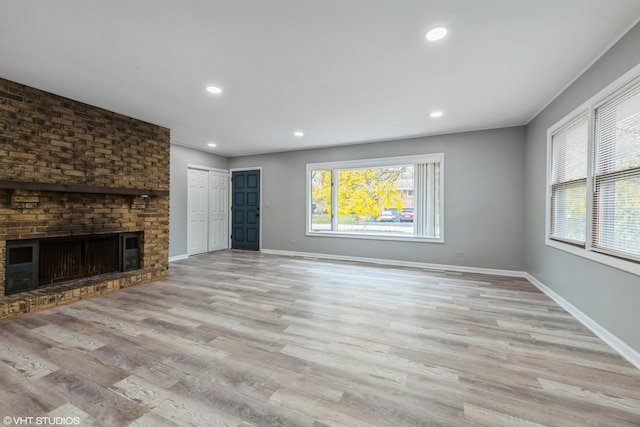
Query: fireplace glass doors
x=37, y=263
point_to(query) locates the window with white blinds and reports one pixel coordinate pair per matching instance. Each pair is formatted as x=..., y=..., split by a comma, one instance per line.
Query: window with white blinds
x=616, y=183
x=569, y=181
x=393, y=198
x=593, y=181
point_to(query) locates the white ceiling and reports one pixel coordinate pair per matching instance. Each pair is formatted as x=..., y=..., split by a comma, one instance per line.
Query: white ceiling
x=342, y=71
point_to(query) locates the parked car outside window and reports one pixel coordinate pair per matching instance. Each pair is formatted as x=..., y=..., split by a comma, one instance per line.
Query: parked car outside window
x=387, y=216
x=406, y=216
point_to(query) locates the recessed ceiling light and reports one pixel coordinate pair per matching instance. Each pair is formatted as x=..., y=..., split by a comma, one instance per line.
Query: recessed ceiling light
x=435, y=34
x=212, y=144
x=214, y=89
x=298, y=133
x=436, y=114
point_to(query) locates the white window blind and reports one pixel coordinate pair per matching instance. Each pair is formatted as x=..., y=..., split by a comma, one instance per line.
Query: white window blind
x=616, y=211
x=569, y=181
x=427, y=200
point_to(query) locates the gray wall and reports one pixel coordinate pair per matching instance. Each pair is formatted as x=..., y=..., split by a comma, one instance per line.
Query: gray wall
x=180, y=158
x=483, y=200
x=609, y=296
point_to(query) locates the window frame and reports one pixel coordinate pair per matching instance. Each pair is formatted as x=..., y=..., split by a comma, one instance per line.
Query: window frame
x=589, y=250
x=374, y=163
x=554, y=186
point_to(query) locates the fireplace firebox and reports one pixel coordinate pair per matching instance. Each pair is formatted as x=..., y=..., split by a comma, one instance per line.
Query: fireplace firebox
x=37, y=263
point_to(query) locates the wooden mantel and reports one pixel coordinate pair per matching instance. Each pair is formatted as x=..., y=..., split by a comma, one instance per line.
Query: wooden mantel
x=78, y=188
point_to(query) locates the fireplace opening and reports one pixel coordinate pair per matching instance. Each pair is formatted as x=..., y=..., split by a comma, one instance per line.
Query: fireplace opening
x=33, y=264
x=62, y=260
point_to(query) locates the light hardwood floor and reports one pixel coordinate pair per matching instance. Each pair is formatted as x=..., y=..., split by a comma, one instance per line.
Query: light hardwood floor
x=244, y=339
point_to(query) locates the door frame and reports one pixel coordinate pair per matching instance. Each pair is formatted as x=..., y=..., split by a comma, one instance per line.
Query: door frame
x=220, y=171
x=231, y=171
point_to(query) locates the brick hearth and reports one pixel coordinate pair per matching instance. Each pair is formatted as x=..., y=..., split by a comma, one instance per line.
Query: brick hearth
x=70, y=169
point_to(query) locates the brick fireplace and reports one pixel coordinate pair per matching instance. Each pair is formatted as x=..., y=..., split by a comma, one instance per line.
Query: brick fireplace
x=73, y=173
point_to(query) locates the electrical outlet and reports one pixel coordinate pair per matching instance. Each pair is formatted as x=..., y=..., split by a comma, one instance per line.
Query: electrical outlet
x=459, y=254
x=292, y=242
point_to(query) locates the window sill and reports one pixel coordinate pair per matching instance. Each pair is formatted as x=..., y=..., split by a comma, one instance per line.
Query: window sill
x=374, y=236
x=621, y=264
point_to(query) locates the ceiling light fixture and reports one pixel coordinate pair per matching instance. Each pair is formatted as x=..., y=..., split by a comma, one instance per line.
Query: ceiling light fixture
x=298, y=133
x=214, y=89
x=436, y=114
x=212, y=144
x=435, y=34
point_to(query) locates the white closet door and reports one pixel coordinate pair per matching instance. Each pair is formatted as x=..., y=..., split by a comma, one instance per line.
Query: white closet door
x=197, y=199
x=218, y=211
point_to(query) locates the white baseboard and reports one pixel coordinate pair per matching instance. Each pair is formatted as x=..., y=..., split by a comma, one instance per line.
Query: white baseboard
x=178, y=257
x=424, y=265
x=614, y=342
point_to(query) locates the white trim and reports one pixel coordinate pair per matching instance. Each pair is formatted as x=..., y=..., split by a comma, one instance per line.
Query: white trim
x=246, y=169
x=568, y=120
x=377, y=162
x=207, y=168
x=611, y=261
x=614, y=342
x=615, y=87
x=368, y=235
x=178, y=257
x=398, y=263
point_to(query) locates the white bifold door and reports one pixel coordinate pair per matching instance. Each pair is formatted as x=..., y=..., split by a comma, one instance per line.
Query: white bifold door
x=218, y=211
x=208, y=211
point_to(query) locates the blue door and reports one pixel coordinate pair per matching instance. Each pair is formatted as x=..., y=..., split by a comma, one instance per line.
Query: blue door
x=245, y=210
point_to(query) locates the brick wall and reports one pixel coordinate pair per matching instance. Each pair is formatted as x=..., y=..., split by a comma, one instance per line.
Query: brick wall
x=51, y=139
x=48, y=139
